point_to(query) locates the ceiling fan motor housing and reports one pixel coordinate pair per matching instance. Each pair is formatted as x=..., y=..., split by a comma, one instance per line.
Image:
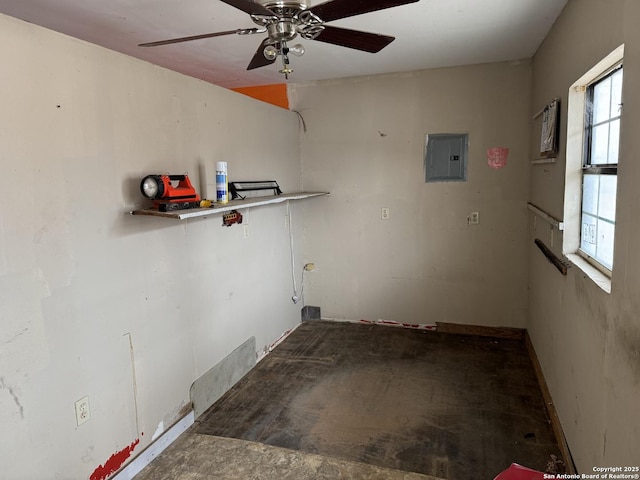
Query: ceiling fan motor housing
x=283, y=30
x=299, y=5
x=289, y=20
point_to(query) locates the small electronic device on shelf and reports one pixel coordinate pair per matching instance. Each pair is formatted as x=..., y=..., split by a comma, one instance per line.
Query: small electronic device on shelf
x=170, y=192
x=236, y=187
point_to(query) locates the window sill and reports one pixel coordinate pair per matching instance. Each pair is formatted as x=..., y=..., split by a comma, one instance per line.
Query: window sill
x=599, y=278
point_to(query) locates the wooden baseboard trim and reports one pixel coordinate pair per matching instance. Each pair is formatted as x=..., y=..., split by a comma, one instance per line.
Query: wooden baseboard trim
x=521, y=334
x=499, y=332
x=551, y=409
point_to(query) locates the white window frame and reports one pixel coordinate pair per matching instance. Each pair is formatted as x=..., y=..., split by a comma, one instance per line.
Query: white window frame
x=574, y=169
x=601, y=170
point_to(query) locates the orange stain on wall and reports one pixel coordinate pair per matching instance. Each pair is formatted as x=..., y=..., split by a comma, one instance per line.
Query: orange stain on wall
x=274, y=94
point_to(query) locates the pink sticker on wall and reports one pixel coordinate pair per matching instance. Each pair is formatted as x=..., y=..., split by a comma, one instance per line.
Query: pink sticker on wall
x=497, y=157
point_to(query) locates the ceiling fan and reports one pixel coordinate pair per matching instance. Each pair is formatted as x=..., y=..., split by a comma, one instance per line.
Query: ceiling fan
x=284, y=20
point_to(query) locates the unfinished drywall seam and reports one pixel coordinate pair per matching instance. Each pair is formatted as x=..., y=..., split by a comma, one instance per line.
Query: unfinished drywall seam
x=135, y=383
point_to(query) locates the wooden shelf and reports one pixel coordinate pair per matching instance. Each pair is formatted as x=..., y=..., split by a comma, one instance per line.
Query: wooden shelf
x=554, y=222
x=541, y=161
x=217, y=208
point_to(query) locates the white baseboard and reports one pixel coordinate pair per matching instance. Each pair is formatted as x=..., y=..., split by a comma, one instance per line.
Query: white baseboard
x=152, y=451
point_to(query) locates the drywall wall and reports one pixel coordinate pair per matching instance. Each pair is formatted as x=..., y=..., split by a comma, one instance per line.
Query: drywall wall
x=364, y=143
x=588, y=341
x=128, y=310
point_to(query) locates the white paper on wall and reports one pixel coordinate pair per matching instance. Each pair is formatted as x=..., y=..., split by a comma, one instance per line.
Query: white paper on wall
x=549, y=134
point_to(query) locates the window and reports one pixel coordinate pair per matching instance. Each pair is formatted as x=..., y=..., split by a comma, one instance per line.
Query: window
x=594, y=110
x=603, y=106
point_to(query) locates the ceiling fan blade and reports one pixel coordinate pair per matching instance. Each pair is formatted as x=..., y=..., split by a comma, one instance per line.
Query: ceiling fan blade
x=259, y=60
x=365, y=41
x=250, y=7
x=335, y=9
x=187, y=39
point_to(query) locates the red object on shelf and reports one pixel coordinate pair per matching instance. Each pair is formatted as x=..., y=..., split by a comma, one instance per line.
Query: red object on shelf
x=518, y=472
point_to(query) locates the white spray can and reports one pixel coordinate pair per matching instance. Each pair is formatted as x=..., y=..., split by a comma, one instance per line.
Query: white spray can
x=222, y=183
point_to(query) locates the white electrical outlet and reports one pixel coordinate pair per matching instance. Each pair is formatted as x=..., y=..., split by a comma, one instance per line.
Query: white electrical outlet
x=83, y=413
x=474, y=218
x=385, y=213
x=245, y=229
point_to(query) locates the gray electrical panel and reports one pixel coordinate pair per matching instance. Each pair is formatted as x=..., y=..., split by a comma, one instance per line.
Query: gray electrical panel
x=445, y=157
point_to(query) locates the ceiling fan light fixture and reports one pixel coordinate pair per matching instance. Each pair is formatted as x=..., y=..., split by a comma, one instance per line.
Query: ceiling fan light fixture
x=270, y=52
x=297, y=50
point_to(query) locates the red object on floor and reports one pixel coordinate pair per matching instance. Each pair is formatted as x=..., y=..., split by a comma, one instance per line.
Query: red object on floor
x=518, y=472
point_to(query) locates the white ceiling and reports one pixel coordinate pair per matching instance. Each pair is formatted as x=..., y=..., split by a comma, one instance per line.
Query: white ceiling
x=430, y=33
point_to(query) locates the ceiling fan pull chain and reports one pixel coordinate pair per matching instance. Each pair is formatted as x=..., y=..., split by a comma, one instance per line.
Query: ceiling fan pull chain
x=284, y=51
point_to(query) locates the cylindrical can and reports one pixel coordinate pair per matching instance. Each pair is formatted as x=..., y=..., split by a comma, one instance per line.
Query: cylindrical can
x=222, y=184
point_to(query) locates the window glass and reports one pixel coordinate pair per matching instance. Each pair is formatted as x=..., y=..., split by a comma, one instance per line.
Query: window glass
x=602, y=101
x=614, y=141
x=599, y=180
x=590, y=194
x=616, y=94
x=588, y=237
x=600, y=144
x=604, y=243
x=607, y=196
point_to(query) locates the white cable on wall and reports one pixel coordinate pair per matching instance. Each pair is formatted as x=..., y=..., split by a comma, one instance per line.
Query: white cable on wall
x=293, y=259
x=306, y=267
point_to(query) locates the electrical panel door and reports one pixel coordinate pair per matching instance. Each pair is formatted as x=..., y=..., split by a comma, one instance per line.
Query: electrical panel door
x=446, y=157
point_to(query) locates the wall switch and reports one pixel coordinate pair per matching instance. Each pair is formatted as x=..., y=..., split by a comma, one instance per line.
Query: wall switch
x=245, y=230
x=474, y=218
x=82, y=410
x=385, y=213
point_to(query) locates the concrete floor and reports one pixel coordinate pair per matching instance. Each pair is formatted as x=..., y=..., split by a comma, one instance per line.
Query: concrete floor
x=339, y=400
x=205, y=457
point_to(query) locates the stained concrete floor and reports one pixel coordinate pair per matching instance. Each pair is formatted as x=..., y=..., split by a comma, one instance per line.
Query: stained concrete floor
x=205, y=457
x=450, y=406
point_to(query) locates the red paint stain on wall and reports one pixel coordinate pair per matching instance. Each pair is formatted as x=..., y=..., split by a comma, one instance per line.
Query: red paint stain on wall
x=114, y=463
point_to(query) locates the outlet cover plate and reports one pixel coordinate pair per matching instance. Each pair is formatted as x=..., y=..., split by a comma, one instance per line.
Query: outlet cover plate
x=83, y=414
